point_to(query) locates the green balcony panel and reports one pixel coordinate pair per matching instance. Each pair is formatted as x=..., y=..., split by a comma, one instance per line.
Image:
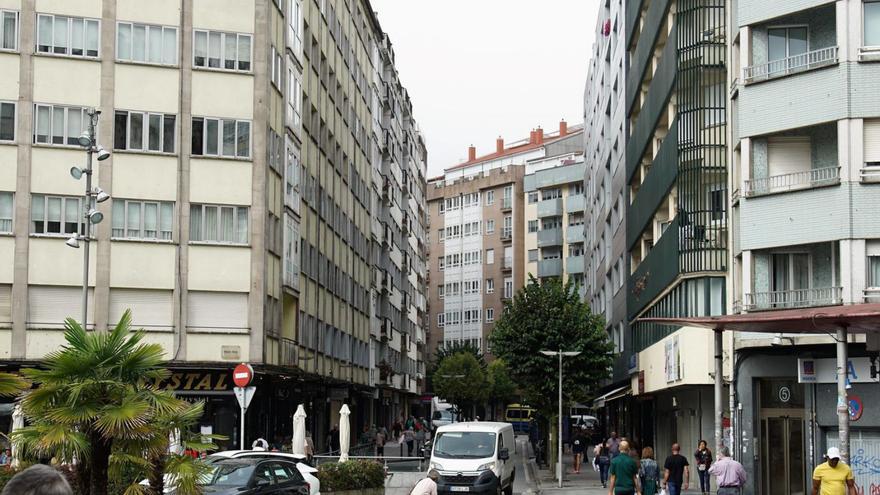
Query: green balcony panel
x=574, y=233
x=655, y=272
x=654, y=17
x=550, y=268
x=574, y=203
x=574, y=264
x=654, y=189
x=549, y=237
x=550, y=208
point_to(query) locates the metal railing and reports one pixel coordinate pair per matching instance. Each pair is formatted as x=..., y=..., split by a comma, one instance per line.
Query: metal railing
x=870, y=173
x=508, y=262
x=288, y=352
x=791, y=182
x=790, y=65
x=798, y=298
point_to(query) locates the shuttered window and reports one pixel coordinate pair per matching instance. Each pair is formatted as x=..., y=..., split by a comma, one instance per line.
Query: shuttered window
x=150, y=309
x=5, y=306
x=872, y=143
x=786, y=155
x=50, y=305
x=217, y=311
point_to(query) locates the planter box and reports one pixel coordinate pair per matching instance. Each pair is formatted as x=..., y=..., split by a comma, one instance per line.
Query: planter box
x=367, y=491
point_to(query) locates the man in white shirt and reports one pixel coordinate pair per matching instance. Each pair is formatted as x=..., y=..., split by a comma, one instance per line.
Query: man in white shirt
x=427, y=486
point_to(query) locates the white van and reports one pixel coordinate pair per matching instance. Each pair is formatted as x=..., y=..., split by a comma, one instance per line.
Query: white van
x=474, y=458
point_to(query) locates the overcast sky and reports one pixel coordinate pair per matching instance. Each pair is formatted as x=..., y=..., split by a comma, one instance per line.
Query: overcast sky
x=477, y=69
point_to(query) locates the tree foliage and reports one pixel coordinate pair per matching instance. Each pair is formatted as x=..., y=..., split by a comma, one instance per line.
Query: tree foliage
x=457, y=347
x=461, y=380
x=501, y=387
x=549, y=315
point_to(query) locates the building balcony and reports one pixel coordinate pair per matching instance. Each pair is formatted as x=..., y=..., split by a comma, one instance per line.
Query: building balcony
x=550, y=268
x=506, y=204
x=797, y=298
x=803, y=62
x=549, y=237
x=550, y=208
x=575, y=203
x=659, y=268
x=507, y=263
x=574, y=234
x=574, y=264
x=872, y=295
x=793, y=181
x=506, y=235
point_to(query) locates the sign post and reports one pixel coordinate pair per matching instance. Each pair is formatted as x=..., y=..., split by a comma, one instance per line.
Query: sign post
x=242, y=376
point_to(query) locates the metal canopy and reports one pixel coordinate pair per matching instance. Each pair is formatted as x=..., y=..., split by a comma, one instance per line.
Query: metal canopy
x=855, y=318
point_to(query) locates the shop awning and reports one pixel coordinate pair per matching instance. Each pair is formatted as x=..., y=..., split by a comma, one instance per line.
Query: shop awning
x=855, y=318
x=612, y=395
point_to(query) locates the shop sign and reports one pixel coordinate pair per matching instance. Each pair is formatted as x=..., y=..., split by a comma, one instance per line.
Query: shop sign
x=673, y=360
x=633, y=363
x=825, y=370
x=641, y=382
x=216, y=381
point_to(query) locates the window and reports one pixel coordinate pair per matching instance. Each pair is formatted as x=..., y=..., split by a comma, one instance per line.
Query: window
x=54, y=124
x=471, y=287
x=576, y=189
x=144, y=131
x=142, y=219
x=221, y=137
x=441, y=263
x=277, y=68
x=490, y=226
x=575, y=219
x=508, y=196
x=508, y=227
x=6, y=212
x=533, y=255
x=533, y=226
x=145, y=43
x=578, y=250
x=442, y=206
x=294, y=18
x=490, y=198
x=441, y=319
x=872, y=23
x=490, y=315
x=453, y=203
x=508, y=287
x=72, y=36
x=713, y=101
x=786, y=42
x=8, y=30
x=490, y=285
x=294, y=99
x=216, y=50
x=441, y=291
x=216, y=223
x=56, y=215
x=7, y=121
x=440, y=235
x=471, y=199
x=533, y=197
x=490, y=256
x=717, y=200
x=873, y=261
x=551, y=194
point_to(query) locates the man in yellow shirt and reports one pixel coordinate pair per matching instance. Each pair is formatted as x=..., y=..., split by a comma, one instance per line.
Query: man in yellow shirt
x=833, y=477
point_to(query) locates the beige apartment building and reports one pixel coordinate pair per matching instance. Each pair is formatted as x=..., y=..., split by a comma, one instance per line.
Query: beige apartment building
x=242, y=180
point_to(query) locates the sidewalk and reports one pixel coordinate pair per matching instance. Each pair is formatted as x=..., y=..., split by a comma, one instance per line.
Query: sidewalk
x=586, y=482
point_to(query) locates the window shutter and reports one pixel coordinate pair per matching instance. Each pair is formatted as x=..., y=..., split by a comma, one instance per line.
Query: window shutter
x=5, y=305
x=217, y=311
x=787, y=155
x=872, y=141
x=150, y=309
x=48, y=306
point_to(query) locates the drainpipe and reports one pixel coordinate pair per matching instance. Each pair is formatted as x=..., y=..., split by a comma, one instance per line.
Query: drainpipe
x=719, y=389
x=842, y=403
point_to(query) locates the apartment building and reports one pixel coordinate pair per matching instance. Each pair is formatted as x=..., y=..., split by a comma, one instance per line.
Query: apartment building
x=805, y=150
x=673, y=207
x=605, y=255
x=240, y=175
x=554, y=219
x=476, y=232
x=398, y=229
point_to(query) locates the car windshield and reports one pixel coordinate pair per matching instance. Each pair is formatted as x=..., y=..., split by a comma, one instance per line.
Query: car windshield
x=464, y=444
x=231, y=474
x=443, y=415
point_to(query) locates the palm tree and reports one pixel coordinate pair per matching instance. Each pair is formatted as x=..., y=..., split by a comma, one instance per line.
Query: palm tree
x=11, y=384
x=96, y=391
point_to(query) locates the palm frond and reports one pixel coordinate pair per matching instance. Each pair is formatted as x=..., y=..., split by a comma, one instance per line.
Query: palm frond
x=115, y=419
x=11, y=384
x=186, y=474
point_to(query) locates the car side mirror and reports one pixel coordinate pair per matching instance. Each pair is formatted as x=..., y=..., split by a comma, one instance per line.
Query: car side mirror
x=504, y=454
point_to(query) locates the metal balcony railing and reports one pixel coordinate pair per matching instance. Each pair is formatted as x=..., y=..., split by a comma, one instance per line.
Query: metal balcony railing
x=798, y=298
x=507, y=234
x=288, y=352
x=790, y=65
x=791, y=182
x=508, y=262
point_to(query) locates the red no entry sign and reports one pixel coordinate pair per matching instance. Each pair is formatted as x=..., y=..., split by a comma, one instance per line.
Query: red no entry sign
x=242, y=375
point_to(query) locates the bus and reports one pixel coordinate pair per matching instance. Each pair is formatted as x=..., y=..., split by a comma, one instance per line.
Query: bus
x=518, y=415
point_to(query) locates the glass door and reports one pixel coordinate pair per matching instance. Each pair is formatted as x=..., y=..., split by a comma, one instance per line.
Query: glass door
x=782, y=448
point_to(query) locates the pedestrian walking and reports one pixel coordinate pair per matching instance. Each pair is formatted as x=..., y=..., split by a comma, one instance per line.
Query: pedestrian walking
x=38, y=479
x=427, y=486
x=703, y=458
x=613, y=444
x=833, y=477
x=578, y=448
x=676, y=472
x=380, y=442
x=333, y=439
x=397, y=429
x=420, y=434
x=624, y=473
x=649, y=472
x=409, y=436
x=310, y=447
x=729, y=474
x=602, y=455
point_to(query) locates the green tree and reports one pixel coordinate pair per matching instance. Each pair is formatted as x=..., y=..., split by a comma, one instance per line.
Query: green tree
x=550, y=315
x=461, y=380
x=95, y=401
x=11, y=384
x=457, y=347
x=501, y=387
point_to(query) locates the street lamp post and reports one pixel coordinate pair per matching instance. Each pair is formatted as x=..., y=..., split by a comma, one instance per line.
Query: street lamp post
x=92, y=216
x=559, y=353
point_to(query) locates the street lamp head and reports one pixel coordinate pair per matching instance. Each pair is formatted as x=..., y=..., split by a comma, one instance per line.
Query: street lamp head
x=85, y=139
x=76, y=172
x=102, y=153
x=571, y=353
x=95, y=216
x=73, y=241
x=100, y=195
x=548, y=353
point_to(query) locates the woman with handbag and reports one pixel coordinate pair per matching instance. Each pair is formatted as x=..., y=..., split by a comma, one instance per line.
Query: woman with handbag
x=603, y=460
x=649, y=472
x=703, y=456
